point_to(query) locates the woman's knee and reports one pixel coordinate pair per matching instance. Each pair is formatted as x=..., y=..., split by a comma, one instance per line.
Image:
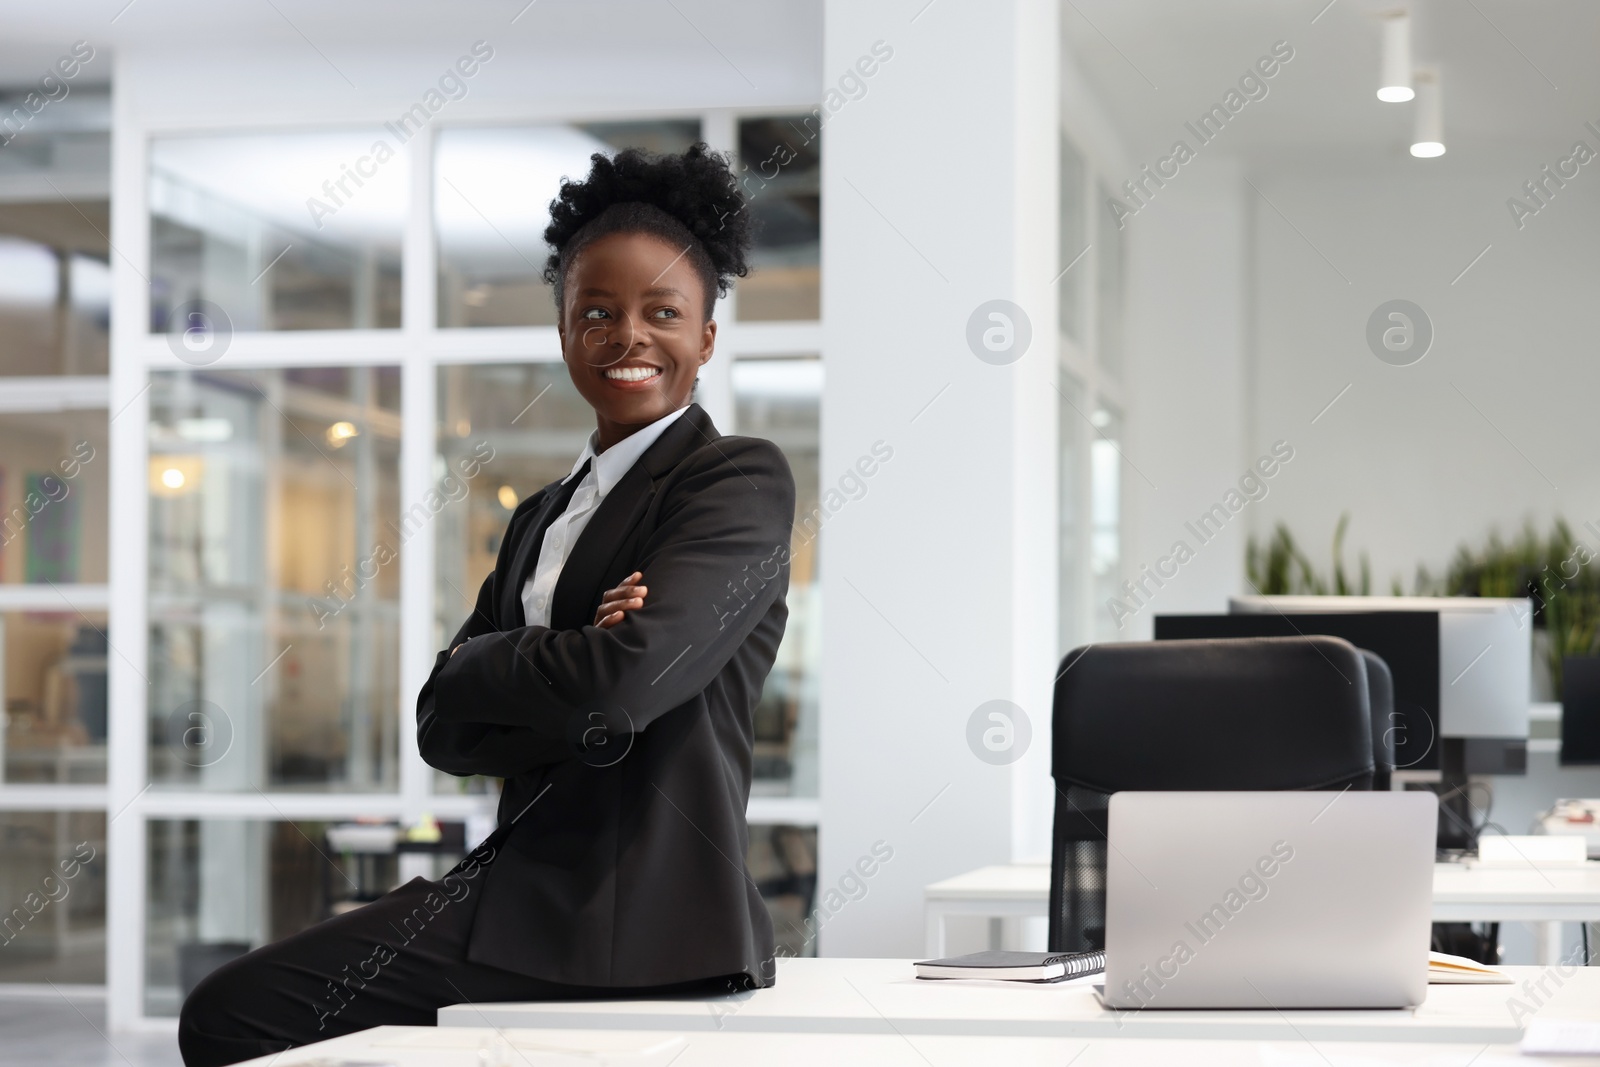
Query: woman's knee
x=215, y=1024
x=209, y=1007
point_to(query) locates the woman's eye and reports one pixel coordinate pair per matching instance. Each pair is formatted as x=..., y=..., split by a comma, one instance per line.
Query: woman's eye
x=593, y=313
x=666, y=313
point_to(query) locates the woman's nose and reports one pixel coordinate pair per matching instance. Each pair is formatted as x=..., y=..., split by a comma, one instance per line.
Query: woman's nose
x=609, y=342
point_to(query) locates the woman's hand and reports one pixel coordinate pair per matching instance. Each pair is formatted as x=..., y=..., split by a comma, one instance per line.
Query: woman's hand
x=615, y=603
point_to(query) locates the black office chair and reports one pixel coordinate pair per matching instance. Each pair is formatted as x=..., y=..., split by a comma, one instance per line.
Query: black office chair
x=1380, y=698
x=1258, y=713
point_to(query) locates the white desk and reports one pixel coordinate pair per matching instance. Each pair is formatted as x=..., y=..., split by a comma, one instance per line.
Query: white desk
x=1460, y=894
x=1013, y=891
x=867, y=996
x=425, y=1046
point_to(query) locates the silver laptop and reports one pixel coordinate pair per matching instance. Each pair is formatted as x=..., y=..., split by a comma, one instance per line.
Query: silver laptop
x=1269, y=900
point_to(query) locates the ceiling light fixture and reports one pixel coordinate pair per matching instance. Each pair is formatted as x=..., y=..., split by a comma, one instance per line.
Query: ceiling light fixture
x=1394, y=86
x=1428, y=141
x=340, y=433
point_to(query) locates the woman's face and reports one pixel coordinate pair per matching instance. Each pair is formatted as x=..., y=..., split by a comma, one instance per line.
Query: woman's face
x=633, y=331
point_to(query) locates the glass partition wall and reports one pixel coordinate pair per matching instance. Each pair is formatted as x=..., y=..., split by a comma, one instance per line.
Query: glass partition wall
x=273, y=588
x=55, y=341
x=1092, y=470
x=329, y=407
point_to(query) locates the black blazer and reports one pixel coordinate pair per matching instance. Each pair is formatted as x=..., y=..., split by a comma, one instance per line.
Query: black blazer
x=620, y=851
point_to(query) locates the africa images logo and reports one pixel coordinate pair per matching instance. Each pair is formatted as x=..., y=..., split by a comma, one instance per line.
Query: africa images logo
x=1399, y=333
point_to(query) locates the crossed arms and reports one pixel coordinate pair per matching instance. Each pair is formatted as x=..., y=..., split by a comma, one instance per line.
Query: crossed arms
x=510, y=700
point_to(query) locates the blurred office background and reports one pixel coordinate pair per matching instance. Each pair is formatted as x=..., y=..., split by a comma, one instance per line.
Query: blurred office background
x=278, y=363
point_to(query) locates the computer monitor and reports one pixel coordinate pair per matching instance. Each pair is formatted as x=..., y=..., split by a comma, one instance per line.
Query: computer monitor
x=1408, y=642
x=1462, y=671
x=1485, y=666
x=1580, y=711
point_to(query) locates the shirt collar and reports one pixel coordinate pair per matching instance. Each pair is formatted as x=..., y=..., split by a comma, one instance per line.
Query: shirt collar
x=609, y=466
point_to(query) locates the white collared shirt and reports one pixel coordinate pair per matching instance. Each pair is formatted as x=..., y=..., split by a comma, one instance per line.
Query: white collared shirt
x=604, y=473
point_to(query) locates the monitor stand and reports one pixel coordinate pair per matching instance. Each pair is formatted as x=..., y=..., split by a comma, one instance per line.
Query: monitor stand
x=1458, y=822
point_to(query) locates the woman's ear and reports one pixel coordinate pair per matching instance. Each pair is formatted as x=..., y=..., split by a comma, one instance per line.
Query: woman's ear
x=708, y=341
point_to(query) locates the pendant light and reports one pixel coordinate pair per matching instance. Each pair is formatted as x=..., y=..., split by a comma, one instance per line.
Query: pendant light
x=1394, y=85
x=1428, y=140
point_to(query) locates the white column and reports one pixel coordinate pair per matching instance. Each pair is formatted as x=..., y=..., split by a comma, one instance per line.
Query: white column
x=938, y=196
x=714, y=392
x=1186, y=340
x=418, y=447
x=127, y=664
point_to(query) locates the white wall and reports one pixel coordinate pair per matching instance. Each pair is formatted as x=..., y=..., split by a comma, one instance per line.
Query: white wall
x=1190, y=434
x=1248, y=318
x=938, y=196
x=1404, y=451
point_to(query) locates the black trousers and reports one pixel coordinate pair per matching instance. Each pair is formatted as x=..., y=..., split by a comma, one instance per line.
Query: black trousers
x=395, y=961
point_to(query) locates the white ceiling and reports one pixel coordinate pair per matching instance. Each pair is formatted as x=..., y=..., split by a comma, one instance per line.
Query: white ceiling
x=748, y=43
x=1513, y=72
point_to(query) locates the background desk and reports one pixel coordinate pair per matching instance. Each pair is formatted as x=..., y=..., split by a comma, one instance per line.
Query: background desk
x=1460, y=894
x=866, y=996
x=424, y=1046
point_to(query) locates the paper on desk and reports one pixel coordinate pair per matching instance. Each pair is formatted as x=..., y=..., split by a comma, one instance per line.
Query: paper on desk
x=1545, y=850
x=1445, y=969
x=1557, y=1037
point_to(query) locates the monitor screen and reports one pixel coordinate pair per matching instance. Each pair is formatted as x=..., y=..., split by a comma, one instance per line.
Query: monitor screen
x=1408, y=641
x=1580, y=711
x=1485, y=665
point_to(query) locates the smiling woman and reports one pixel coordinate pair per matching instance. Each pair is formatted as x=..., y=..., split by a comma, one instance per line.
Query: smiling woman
x=620, y=714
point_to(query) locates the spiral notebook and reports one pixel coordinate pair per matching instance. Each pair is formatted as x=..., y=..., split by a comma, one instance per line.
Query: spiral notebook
x=1013, y=966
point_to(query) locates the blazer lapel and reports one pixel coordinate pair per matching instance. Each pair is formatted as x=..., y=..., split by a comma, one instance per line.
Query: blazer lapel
x=584, y=574
x=530, y=538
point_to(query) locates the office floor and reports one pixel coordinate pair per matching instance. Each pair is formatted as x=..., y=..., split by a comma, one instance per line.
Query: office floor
x=41, y=1031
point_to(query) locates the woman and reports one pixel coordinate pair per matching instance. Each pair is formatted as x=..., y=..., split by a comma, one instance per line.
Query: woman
x=608, y=673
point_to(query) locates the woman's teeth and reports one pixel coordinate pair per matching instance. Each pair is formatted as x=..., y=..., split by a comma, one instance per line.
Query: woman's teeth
x=633, y=374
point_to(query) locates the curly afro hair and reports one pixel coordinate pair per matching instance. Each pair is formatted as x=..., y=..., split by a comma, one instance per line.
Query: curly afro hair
x=690, y=200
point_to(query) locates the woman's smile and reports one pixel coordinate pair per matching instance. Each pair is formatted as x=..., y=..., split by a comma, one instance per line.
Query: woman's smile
x=632, y=376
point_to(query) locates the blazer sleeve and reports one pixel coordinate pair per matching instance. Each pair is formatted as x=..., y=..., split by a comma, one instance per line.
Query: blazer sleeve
x=714, y=564
x=468, y=748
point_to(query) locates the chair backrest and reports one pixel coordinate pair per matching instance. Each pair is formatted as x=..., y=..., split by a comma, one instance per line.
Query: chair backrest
x=1380, y=698
x=1258, y=713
